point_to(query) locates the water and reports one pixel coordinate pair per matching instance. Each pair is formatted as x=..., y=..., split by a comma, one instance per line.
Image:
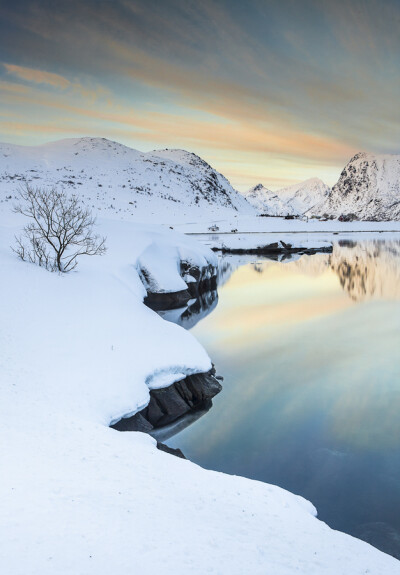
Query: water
x=309, y=350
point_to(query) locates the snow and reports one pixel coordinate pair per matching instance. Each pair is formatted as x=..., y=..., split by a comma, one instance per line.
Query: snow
x=295, y=200
x=79, y=351
x=306, y=196
x=253, y=225
x=123, y=183
x=369, y=186
x=268, y=202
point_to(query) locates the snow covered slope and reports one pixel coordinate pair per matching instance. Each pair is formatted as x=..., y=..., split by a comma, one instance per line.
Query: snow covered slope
x=77, y=352
x=368, y=187
x=118, y=181
x=268, y=202
x=305, y=196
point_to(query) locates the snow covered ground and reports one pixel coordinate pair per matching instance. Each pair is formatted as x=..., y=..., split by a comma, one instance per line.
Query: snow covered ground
x=79, y=351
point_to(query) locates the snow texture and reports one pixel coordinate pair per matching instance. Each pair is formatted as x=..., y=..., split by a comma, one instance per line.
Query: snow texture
x=78, y=352
x=306, y=196
x=121, y=182
x=268, y=202
x=368, y=187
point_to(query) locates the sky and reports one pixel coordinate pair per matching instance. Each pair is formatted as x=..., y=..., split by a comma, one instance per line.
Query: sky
x=270, y=91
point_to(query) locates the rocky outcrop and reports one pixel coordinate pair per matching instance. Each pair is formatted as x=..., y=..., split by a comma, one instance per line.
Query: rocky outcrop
x=198, y=280
x=368, y=189
x=168, y=404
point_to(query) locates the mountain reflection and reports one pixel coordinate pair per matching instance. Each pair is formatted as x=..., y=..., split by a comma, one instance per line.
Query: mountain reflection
x=366, y=270
x=312, y=382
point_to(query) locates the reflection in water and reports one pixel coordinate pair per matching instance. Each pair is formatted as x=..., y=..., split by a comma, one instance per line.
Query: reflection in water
x=311, y=399
x=193, y=312
x=365, y=269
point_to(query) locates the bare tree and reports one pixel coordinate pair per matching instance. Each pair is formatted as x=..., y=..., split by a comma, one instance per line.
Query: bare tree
x=61, y=229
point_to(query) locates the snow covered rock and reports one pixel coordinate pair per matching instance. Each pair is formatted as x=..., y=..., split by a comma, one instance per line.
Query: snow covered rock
x=117, y=181
x=170, y=403
x=268, y=202
x=173, y=274
x=369, y=187
x=305, y=196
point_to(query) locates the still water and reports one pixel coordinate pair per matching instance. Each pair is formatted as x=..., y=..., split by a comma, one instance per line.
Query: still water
x=309, y=351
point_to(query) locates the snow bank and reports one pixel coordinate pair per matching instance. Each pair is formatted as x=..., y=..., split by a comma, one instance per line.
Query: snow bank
x=77, y=352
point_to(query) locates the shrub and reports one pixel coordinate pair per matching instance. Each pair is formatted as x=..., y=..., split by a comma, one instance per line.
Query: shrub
x=60, y=232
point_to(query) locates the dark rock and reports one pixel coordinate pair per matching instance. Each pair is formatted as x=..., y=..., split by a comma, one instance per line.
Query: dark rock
x=273, y=250
x=205, y=280
x=135, y=423
x=171, y=450
x=348, y=218
x=168, y=404
x=170, y=300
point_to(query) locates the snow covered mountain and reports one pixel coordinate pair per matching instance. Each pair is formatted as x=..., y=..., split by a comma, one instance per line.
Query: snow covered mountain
x=306, y=196
x=117, y=180
x=268, y=202
x=368, y=187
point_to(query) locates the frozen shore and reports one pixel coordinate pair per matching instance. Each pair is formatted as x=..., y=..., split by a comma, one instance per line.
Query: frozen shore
x=78, y=352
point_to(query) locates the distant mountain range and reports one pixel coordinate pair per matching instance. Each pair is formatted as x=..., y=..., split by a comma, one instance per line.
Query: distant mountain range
x=296, y=200
x=368, y=189
x=118, y=180
x=268, y=202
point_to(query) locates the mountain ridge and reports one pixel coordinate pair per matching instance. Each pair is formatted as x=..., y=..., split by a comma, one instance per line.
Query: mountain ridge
x=113, y=177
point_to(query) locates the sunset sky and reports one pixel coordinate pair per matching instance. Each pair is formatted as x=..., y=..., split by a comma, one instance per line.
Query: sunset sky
x=266, y=91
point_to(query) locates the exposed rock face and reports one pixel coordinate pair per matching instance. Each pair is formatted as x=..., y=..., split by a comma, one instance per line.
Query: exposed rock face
x=368, y=187
x=168, y=404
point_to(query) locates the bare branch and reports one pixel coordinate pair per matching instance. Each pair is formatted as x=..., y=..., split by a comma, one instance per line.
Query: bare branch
x=60, y=230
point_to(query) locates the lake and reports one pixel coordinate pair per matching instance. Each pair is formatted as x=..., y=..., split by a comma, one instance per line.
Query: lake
x=309, y=351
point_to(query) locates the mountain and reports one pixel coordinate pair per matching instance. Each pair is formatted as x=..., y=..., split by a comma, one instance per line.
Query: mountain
x=368, y=187
x=268, y=202
x=305, y=196
x=121, y=181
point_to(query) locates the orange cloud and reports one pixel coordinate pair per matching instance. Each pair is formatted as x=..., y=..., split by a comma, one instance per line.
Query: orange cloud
x=38, y=76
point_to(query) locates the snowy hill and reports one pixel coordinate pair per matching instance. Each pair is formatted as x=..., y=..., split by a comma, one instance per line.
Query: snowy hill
x=118, y=181
x=368, y=187
x=305, y=196
x=268, y=202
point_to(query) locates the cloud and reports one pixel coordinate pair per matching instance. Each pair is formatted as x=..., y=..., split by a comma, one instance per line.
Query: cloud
x=38, y=76
x=260, y=83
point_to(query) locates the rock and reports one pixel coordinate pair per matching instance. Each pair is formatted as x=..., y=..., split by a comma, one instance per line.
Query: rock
x=170, y=450
x=135, y=423
x=169, y=300
x=273, y=250
x=168, y=404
